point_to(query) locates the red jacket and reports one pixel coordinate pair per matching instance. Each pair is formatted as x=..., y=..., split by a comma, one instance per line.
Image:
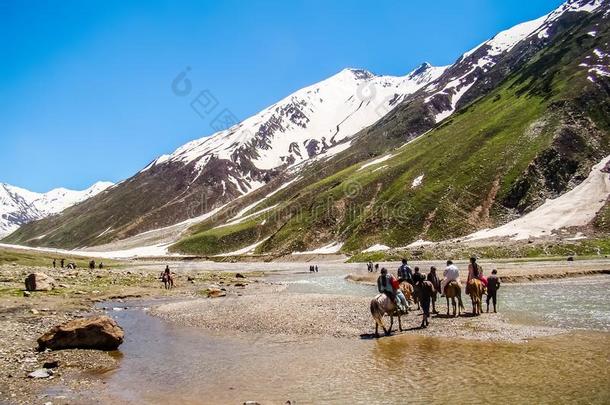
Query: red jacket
x=395, y=284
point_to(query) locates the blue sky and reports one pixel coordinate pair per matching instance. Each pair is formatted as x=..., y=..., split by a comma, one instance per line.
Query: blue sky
x=85, y=86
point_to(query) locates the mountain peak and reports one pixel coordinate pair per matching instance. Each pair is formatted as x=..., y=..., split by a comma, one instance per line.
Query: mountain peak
x=360, y=74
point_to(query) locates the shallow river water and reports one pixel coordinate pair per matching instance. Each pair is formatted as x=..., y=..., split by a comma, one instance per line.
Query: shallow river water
x=162, y=363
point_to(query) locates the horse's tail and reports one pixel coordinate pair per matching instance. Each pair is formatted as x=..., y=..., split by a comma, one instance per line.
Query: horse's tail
x=377, y=311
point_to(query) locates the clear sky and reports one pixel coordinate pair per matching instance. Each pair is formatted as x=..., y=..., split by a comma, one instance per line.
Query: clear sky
x=85, y=86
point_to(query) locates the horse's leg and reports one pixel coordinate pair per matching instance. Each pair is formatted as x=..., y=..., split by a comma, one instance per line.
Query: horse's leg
x=399, y=324
x=453, y=304
x=447, y=304
x=376, y=328
x=389, y=332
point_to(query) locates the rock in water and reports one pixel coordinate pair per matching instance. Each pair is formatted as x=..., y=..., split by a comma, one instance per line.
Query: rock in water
x=39, y=282
x=100, y=332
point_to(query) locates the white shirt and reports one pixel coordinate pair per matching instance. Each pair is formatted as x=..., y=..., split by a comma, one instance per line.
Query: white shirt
x=452, y=272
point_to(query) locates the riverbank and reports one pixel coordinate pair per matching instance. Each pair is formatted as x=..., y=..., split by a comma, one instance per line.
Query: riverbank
x=509, y=271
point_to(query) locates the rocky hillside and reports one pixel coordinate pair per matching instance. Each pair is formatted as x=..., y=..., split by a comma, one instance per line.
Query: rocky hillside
x=19, y=206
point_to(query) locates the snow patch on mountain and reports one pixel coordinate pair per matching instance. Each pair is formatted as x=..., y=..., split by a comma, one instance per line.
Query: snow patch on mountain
x=577, y=207
x=376, y=161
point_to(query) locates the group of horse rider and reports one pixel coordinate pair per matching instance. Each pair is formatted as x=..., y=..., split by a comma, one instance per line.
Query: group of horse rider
x=429, y=285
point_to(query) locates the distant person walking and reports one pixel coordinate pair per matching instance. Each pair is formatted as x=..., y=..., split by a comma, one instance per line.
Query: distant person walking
x=493, y=284
x=376, y=267
x=92, y=265
x=62, y=263
x=316, y=268
x=101, y=266
x=54, y=263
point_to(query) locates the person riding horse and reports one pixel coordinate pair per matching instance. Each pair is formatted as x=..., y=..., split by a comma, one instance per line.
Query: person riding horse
x=166, y=277
x=452, y=273
x=475, y=271
x=387, y=284
x=405, y=273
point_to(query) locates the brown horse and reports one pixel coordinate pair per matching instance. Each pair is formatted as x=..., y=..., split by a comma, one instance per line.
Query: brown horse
x=476, y=290
x=453, y=290
x=408, y=291
x=168, y=281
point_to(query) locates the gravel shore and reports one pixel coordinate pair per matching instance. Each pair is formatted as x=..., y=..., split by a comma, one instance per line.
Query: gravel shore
x=319, y=315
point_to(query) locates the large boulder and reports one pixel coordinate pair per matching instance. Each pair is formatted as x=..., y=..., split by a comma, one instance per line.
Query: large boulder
x=100, y=332
x=39, y=282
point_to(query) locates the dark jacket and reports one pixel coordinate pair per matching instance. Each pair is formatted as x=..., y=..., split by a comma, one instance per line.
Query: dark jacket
x=405, y=273
x=493, y=283
x=433, y=278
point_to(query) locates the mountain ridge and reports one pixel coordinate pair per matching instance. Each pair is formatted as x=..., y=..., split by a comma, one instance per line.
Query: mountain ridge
x=19, y=206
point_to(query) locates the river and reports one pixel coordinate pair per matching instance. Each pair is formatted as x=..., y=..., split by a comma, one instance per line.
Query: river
x=163, y=363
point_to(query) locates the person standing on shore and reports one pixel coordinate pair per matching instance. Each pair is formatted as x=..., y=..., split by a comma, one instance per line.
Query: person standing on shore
x=61, y=262
x=426, y=291
x=493, y=284
x=54, y=263
x=433, y=278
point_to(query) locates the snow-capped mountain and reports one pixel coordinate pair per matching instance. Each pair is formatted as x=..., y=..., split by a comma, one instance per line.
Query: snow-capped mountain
x=354, y=113
x=19, y=206
x=445, y=95
x=316, y=120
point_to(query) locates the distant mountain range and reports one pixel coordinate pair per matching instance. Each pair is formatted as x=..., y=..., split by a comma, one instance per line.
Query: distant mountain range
x=360, y=160
x=19, y=206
